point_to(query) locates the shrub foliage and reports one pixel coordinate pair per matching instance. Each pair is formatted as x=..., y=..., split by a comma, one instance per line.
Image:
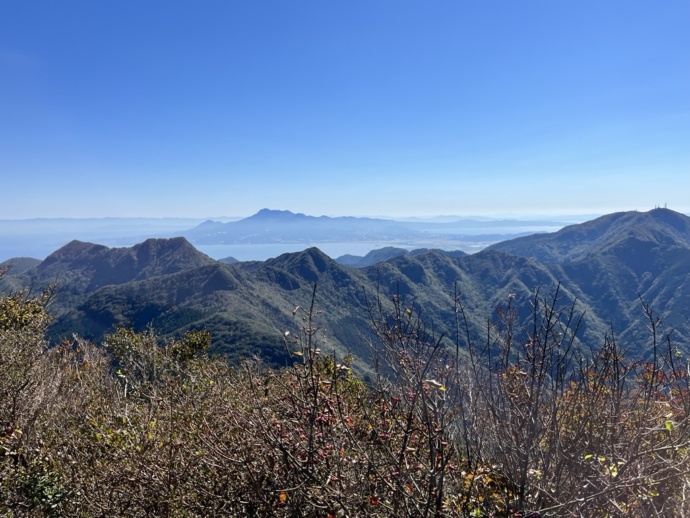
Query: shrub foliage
x=527, y=422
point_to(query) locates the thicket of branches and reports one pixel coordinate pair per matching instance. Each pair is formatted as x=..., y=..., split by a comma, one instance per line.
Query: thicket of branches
x=523, y=423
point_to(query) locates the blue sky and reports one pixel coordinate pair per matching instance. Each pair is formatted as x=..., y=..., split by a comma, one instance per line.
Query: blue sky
x=380, y=107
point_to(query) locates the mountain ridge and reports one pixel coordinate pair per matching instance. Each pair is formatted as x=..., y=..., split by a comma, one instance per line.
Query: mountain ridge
x=248, y=306
x=574, y=242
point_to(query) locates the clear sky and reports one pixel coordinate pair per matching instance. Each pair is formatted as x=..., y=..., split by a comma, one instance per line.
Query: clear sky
x=377, y=107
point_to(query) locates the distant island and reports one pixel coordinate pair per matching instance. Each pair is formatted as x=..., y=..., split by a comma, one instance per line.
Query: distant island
x=269, y=233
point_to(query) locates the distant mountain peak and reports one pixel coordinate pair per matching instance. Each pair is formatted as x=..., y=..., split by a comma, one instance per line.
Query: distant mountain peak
x=88, y=266
x=679, y=221
x=18, y=265
x=575, y=242
x=209, y=223
x=284, y=226
x=276, y=215
x=175, y=244
x=313, y=253
x=266, y=211
x=74, y=249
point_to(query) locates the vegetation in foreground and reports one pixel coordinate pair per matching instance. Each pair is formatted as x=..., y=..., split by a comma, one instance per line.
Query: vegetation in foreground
x=524, y=424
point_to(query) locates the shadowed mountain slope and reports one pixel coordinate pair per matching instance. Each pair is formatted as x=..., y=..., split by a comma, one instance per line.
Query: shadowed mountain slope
x=79, y=268
x=619, y=261
x=386, y=253
x=373, y=257
x=19, y=265
x=246, y=306
x=93, y=265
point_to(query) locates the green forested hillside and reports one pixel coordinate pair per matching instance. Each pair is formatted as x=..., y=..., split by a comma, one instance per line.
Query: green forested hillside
x=609, y=268
x=660, y=227
x=521, y=422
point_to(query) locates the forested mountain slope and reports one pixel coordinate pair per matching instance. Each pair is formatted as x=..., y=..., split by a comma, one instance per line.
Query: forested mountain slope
x=607, y=267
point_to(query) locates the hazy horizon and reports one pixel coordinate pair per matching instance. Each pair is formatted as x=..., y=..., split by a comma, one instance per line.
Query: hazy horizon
x=163, y=109
x=229, y=218
x=39, y=237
